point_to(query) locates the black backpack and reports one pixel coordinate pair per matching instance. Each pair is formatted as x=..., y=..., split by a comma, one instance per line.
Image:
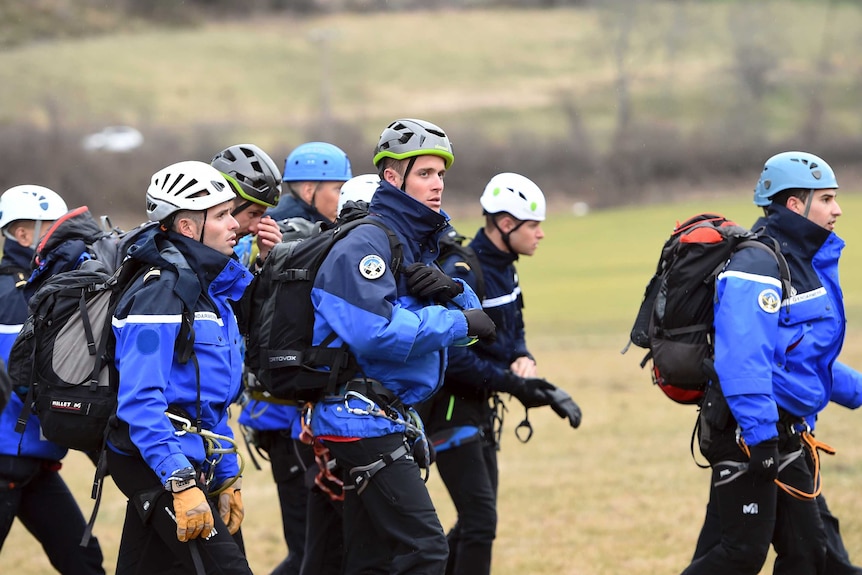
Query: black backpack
x=453, y=244
x=63, y=359
x=675, y=320
x=280, y=319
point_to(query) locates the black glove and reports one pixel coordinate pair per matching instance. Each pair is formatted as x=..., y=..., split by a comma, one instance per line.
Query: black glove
x=532, y=392
x=564, y=406
x=763, y=460
x=480, y=325
x=430, y=282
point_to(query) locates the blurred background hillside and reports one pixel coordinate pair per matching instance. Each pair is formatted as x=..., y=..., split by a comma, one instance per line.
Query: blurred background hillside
x=607, y=102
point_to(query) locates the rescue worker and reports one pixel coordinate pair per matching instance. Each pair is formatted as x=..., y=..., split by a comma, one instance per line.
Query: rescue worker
x=313, y=173
x=398, y=331
x=31, y=487
x=766, y=394
x=172, y=446
x=462, y=417
x=256, y=181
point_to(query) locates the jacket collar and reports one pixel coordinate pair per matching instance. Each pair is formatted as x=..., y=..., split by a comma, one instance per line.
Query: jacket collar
x=791, y=229
x=194, y=262
x=491, y=254
x=16, y=255
x=407, y=216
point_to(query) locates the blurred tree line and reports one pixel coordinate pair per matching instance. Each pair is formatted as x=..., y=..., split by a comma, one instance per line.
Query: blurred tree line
x=30, y=20
x=647, y=155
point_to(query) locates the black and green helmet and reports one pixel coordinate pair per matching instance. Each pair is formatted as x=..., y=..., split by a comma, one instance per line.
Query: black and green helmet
x=251, y=172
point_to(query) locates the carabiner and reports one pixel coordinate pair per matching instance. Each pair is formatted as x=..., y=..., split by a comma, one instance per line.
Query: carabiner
x=526, y=425
x=370, y=409
x=185, y=424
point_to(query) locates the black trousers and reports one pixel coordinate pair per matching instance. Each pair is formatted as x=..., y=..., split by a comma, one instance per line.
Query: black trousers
x=751, y=514
x=837, y=559
x=324, y=534
x=392, y=526
x=149, y=543
x=470, y=474
x=32, y=490
x=289, y=459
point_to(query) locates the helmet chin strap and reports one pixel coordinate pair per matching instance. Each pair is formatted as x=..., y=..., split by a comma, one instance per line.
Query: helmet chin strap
x=505, y=235
x=410, y=163
x=37, y=234
x=203, y=227
x=808, y=201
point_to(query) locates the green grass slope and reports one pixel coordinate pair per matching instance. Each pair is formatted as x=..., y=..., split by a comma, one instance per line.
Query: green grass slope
x=506, y=70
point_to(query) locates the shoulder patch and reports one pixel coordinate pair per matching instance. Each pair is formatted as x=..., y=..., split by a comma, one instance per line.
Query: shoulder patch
x=769, y=300
x=372, y=267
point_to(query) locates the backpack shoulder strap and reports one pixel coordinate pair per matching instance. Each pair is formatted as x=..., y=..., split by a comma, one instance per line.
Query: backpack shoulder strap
x=394, y=243
x=774, y=249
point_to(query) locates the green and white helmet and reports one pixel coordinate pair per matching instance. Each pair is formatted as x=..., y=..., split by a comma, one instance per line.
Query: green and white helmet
x=515, y=195
x=189, y=185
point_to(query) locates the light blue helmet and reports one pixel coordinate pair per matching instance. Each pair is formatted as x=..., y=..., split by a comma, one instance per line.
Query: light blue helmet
x=317, y=162
x=791, y=170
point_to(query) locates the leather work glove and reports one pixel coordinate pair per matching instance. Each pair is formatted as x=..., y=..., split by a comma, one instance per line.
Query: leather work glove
x=230, y=506
x=193, y=513
x=430, y=282
x=532, y=392
x=763, y=460
x=564, y=406
x=480, y=325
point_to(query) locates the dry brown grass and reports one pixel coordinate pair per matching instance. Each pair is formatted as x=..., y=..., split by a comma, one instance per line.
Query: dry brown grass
x=618, y=495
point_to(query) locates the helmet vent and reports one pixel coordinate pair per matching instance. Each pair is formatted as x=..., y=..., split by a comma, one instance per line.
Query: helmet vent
x=191, y=184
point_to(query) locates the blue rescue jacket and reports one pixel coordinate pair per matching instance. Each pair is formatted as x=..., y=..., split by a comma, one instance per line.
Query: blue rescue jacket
x=13, y=313
x=396, y=338
x=772, y=354
x=146, y=324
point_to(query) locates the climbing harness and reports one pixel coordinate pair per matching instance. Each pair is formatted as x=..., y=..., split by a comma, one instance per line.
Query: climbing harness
x=415, y=444
x=214, y=446
x=808, y=442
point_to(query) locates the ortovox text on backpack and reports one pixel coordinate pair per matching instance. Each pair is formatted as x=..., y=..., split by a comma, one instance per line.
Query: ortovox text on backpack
x=280, y=351
x=675, y=320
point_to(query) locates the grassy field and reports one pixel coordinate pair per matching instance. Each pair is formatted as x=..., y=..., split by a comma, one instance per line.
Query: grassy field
x=509, y=71
x=619, y=495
